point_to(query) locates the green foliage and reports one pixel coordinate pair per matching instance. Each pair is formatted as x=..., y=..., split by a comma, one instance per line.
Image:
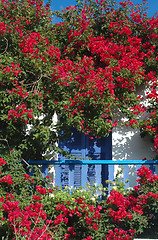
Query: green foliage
x=71, y=213
x=118, y=184
x=82, y=69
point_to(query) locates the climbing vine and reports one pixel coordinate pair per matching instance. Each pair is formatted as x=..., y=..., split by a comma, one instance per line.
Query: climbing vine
x=83, y=68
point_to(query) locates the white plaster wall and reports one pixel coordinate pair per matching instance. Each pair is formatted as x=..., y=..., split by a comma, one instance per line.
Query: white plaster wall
x=52, y=155
x=127, y=144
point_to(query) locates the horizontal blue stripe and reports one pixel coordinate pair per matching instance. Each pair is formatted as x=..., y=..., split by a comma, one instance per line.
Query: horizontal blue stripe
x=97, y=162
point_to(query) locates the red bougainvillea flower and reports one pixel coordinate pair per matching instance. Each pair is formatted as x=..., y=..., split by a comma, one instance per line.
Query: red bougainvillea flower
x=7, y=179
x=2, y=162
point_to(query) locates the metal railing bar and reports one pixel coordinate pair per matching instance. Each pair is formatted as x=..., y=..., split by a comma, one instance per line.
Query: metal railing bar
x=96, y=162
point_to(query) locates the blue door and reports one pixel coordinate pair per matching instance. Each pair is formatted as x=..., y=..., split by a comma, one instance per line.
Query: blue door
x=84, y=147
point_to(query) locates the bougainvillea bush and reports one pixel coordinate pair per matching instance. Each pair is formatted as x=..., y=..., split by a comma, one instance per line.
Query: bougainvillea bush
x=82, y=68
x=34, y=209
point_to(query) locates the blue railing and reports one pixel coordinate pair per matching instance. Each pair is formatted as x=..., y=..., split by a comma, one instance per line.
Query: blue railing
x=96, y=162
x=76, y=173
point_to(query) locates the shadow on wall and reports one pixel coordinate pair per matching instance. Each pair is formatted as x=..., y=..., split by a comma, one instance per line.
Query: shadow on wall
x=127, y=144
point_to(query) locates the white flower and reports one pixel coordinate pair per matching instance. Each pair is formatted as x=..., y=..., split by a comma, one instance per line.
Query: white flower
x=51, y=195
x=93, y=199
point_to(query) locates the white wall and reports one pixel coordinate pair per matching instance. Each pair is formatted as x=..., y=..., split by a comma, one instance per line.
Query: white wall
x=127, y=144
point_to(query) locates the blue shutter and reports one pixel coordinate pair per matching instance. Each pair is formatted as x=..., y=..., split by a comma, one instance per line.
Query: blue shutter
x=77, y=175
x=152, y=168
x=70, y=175
x=44, y=170
x=99, y=149
x=82, y=146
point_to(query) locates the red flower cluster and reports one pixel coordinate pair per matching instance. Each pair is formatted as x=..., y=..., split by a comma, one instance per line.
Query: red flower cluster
x=120, y=234
x=83, y=210
x=21, y=220
x=14, y=69
x=41, y=190
x=3, y=28
x=2, y=162
x=21, y=112
x=146, y=175
x=122, y=205
x=7, y=179
x=27, y=178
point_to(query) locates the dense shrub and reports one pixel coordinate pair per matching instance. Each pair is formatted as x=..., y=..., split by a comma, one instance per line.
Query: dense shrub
x=31, y=208
x=82, y=68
